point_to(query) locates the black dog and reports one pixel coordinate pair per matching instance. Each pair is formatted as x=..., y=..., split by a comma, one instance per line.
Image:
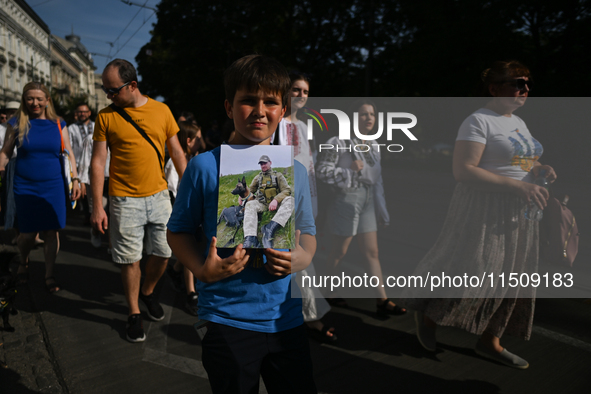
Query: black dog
x=7, y=295
x=234, y=215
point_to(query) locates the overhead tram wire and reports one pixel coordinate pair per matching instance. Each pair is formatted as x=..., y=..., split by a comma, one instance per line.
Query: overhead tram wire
x=120, y=48
x=129, y=23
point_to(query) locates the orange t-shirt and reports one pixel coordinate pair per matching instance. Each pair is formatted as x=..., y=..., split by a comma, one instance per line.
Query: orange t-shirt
x=134, y=168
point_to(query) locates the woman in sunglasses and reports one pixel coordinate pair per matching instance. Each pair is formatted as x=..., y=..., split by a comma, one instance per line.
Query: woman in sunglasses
x=495, y=162
x=39, y=188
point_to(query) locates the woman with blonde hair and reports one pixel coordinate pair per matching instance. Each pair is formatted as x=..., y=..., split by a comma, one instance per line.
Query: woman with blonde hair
x=39, y=189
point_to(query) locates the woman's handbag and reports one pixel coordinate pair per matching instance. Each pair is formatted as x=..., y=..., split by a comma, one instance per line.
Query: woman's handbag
x=66, y=168
x=559, y=233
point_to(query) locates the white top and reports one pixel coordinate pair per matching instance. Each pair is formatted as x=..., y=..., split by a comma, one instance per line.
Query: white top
x=172, y=177
x=510, y=150
x=296, y=134
x=78, y=133
x=85, y=157
x=2, y=135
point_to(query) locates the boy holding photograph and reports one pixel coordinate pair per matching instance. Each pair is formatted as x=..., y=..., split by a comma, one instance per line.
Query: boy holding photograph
x=255, y=325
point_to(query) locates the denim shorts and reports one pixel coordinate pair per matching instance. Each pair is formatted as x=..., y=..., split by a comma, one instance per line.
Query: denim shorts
x=138, y=222
x=352, y=212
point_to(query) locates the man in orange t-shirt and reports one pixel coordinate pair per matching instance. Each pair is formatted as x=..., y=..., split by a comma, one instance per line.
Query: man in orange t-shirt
x=139, y=201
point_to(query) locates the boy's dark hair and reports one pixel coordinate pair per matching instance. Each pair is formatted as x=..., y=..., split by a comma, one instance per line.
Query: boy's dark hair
x=257, y=72
x=126, y=70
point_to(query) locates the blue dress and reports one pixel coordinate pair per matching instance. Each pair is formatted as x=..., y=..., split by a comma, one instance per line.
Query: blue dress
x=39, y=188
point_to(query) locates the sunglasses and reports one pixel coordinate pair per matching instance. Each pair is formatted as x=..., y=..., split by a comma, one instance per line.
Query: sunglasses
x=520, y=84
x=114, y=92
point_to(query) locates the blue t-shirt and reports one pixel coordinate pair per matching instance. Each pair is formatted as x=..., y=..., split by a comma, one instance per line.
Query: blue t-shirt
x=252, y=299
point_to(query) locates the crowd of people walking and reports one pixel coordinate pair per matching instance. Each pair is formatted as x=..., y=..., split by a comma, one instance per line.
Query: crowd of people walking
x=153, y=207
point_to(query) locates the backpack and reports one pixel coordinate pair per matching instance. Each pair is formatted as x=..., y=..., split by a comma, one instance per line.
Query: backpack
x=559, y=233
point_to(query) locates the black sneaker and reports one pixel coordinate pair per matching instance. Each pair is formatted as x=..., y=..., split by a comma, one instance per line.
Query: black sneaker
x=176, y=279
x=191, y=303
x=155, y=311
x=135, y=329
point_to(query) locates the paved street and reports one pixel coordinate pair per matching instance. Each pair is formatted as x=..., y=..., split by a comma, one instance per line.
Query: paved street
x=74, y=341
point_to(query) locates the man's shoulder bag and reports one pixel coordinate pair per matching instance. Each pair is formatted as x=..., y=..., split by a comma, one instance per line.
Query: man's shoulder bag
x=126, y=116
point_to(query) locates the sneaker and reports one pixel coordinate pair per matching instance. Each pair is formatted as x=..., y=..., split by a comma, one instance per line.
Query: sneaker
x=176, y=278
x=191, y=303
x=155, y=311
x=95, y=240
x=135, y=329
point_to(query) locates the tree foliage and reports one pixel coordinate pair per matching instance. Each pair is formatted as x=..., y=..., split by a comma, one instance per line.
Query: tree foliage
x=372, y=48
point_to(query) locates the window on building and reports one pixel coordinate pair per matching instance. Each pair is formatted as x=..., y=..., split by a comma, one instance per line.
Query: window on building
x=11, y=81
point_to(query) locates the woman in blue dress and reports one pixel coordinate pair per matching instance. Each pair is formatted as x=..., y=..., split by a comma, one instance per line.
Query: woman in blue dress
x=39, y=188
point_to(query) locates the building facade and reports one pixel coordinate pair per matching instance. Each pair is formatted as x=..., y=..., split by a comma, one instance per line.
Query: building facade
x=72, y=67
x=24, y=49
x=101, y=98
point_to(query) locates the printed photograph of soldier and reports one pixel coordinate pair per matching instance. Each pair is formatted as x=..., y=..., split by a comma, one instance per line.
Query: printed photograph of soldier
x=256, y=205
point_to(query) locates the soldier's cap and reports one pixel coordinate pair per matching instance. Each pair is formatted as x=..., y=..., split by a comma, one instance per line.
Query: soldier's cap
x=264, y=159
x=13, y=105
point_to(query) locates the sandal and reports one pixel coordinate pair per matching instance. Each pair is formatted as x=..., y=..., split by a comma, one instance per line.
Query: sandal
x=383, y=311
x=337, y=301
x=52, y=287
x=322, y=334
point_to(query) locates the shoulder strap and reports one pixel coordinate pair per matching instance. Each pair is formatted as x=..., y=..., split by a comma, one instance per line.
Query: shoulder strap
x=126, y=116
x=59, y=126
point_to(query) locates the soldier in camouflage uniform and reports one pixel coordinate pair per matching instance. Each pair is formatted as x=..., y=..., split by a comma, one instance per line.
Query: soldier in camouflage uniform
x=271, y=192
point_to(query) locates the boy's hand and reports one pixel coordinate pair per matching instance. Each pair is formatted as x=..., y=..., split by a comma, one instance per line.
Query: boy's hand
x=278, y=263
x=284, y=263
x=305, y=248
x=216, y=268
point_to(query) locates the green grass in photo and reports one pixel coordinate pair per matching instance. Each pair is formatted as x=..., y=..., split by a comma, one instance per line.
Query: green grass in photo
x=284, y=237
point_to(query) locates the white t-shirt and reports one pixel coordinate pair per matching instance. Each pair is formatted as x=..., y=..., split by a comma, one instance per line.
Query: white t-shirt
x=83, y=161
x=172, y=177
x=510, y=150
x=296, y=134
x=2, y=135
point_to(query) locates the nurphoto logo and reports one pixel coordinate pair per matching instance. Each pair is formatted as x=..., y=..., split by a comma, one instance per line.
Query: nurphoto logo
x=392, y=124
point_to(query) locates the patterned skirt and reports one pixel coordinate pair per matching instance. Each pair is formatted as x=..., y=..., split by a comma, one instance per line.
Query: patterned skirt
x=483, y=232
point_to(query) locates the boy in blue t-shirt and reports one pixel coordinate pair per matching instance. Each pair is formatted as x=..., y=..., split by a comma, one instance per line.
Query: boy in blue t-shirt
x=255, y=325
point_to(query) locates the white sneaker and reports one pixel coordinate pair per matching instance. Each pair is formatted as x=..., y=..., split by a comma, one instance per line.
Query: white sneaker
x=95, y=240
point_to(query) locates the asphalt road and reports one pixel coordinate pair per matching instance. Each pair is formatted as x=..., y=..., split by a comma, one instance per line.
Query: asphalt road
x=74, y=341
